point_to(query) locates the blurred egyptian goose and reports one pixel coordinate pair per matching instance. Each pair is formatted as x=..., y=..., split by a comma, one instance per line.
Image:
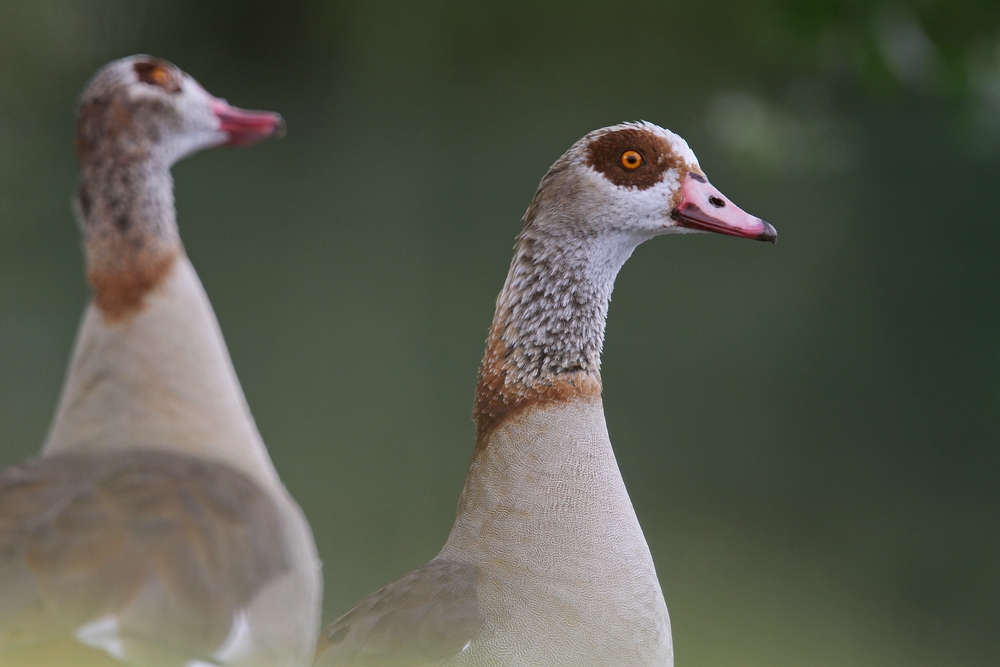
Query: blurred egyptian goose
x=546, y=564
x=153, y=530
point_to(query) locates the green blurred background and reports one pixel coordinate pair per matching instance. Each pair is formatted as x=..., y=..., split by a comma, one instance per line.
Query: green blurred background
x=809, y=431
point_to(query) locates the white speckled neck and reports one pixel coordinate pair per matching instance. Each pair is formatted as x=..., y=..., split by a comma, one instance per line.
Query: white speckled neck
x=126, y=212
x=546, y=338
x=552, y=311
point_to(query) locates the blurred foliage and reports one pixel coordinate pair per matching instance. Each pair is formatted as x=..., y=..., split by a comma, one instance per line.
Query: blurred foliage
x=809, y=432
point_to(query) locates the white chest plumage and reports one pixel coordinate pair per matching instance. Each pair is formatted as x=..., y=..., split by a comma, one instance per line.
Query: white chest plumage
x=566, y=577
x=162, y=378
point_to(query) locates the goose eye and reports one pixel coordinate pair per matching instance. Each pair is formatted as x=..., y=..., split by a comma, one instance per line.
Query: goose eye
x=160, y=76
x=631, y=160
x=157, y=75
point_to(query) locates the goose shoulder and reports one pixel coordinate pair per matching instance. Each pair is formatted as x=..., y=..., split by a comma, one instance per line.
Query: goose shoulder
x=422, y=619
x=96, y=535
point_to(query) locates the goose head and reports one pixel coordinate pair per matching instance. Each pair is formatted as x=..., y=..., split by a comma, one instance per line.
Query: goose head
x=138, y=116
x=612, y=190
x=635, y=181
x=141, y=107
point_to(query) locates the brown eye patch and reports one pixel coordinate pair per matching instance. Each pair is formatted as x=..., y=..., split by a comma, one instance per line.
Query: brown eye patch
x=157, y=74
x=608, y=153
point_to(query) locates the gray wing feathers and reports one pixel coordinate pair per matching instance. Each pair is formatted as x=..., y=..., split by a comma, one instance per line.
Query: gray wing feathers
x=174, y=544
x=423, y=618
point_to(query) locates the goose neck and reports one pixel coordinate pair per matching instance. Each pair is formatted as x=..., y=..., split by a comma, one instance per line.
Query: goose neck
x=548, y=330
x=126, y=213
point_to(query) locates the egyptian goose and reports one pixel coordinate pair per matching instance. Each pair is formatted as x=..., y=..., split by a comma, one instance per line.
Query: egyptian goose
x=546, y=564
x=153, y=530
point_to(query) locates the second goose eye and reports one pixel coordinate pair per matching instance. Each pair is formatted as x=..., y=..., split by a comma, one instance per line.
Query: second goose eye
x=160, y=76
x=156, y=74
x=631, y=159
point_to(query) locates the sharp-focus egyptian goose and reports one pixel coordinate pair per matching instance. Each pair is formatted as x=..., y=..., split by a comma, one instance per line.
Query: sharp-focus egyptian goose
x=546, y=564
x=153, y=530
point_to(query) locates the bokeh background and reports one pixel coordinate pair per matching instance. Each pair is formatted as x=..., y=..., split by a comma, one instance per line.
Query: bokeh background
x=809, y=431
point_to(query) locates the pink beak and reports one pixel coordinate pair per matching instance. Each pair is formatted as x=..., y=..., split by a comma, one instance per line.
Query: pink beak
x=704, y=207
x=244, y=128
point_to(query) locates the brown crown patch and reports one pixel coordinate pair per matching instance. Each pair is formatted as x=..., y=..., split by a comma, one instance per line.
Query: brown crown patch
x=157, y=73
x=604, y=155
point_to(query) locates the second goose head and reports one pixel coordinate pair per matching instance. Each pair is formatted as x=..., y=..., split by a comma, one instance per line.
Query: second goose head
x=144, y=108
x=136, y=118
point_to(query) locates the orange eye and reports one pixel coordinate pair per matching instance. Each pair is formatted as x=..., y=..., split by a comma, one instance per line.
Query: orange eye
x=160, y=76
x=631, y=160
x=157, y=75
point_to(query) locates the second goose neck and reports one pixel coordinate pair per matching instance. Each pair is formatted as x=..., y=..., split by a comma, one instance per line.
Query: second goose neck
x=128, y=221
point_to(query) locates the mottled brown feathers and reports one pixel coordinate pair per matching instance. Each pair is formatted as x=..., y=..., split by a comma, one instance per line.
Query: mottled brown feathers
x=504, y=391
x=120, y=293
x=96, y=529
x=115, y=126
x=125, y=198
x=604, y=154
x=496, y=403
x=99, y=120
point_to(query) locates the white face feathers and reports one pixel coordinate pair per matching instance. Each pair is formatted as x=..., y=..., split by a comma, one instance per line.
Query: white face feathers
x=612, y=190
x=142, y=107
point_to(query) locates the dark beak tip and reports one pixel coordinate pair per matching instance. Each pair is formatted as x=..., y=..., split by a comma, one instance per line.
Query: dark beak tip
x=769, y=234
x=280, y=128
